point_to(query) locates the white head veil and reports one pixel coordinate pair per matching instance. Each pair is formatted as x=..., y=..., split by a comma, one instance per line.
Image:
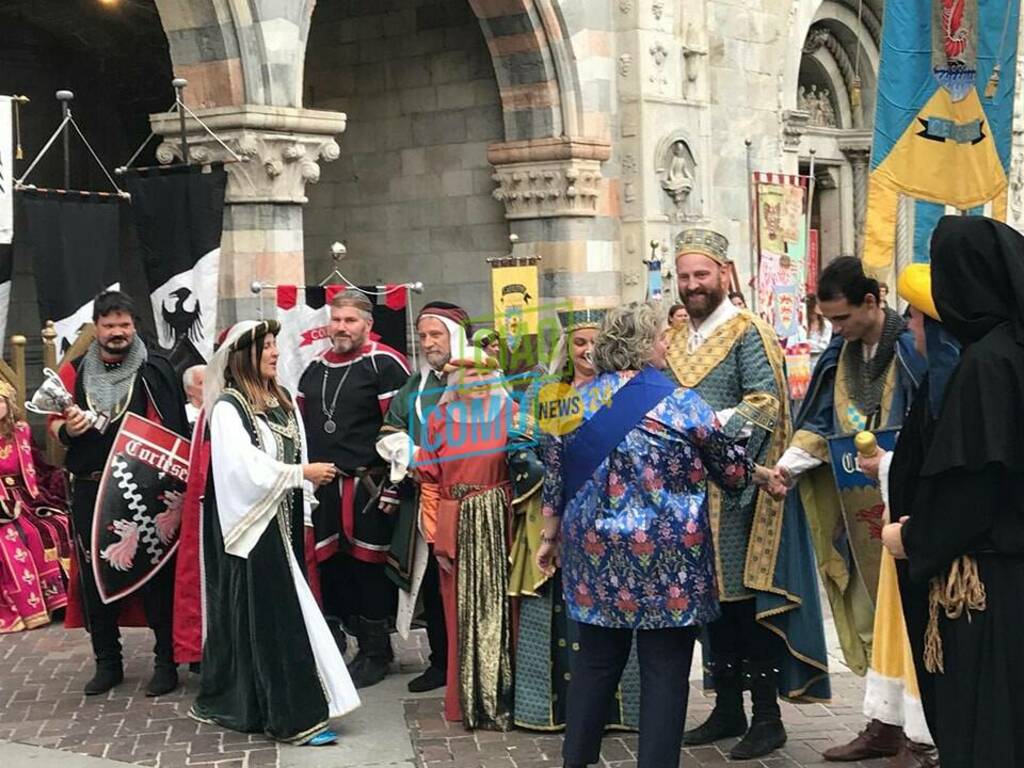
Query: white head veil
x=213, y=385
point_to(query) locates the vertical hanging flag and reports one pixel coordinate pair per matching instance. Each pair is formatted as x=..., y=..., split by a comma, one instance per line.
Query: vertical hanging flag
x=515, y=290
x=75, y=244
x=6, y=211
x=780, y=204
x=304, y=313
x=178, y=216
x=943, y=122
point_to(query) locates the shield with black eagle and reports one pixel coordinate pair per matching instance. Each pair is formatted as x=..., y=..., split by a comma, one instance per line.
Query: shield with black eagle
x=137, y=517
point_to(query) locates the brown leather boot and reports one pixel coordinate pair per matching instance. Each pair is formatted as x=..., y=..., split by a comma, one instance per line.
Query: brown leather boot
x=876, y=740
x=915, y=755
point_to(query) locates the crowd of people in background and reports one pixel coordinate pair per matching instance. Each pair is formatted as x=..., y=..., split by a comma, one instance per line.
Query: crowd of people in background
x=564, y=575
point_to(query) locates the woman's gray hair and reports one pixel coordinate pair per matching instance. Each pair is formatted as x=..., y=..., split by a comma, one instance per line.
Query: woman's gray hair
x=626, y=339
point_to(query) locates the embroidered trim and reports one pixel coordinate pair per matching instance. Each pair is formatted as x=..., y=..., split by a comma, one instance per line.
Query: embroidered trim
x=691, y=368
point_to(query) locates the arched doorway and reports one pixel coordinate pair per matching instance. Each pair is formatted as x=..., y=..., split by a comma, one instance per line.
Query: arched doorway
x=835, y=103
x=411, y=194
x=545, y=145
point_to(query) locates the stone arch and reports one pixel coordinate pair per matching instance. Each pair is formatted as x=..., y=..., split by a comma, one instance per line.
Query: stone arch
x=839, y=18
x=245, y=62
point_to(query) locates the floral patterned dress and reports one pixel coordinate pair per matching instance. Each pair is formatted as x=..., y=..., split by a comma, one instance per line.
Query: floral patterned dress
x=637, y=546
x=35, y=535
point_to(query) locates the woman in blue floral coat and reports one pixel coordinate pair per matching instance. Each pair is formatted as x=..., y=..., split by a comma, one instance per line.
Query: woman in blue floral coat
x=626, y=498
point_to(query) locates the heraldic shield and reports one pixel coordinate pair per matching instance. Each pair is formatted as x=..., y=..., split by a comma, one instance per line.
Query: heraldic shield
x=860, y=536
x=137, y=517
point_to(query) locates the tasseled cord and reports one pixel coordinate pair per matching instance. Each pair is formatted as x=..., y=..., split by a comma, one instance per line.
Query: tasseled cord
x=961, y=589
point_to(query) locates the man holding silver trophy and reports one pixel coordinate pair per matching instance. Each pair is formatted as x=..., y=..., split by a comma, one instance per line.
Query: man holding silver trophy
x=115, y=377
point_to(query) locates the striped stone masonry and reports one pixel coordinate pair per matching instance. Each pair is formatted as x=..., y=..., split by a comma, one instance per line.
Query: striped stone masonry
x=281, y=149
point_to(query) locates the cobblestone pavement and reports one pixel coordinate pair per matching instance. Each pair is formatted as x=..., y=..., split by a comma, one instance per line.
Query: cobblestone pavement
x=42, y=673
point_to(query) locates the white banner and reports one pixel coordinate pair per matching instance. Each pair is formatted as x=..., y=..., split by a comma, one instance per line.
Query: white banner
x=186, y=305
x=6, y=172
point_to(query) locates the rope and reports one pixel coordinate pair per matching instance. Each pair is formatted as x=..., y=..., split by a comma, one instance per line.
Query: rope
x=43, y=151
x=96, y=158
x=961, y=590
x=142, y=146
x=194, y=116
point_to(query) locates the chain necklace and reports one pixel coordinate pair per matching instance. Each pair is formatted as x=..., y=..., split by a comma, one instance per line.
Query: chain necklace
x=330, y=427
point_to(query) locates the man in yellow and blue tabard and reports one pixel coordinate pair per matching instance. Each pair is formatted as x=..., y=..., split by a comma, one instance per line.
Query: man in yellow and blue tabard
x=770, y=637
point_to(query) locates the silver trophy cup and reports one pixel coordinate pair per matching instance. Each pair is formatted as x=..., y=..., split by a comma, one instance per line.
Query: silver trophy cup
x=53, y=397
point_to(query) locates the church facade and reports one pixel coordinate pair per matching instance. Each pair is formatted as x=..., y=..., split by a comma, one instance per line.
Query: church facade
x=422, y=133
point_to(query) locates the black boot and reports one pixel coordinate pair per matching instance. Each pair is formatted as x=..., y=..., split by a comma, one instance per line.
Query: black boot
x=358, y=631
x=766, y=732
x=375, y=648
x=106, y=647
x=432, y=679
x=107, y=676
x=163, y=681
x=165, y=671
x=727, y=719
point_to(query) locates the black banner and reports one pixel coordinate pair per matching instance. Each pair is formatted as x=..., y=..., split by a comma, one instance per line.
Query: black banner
x=75, y=244
x=178, y=218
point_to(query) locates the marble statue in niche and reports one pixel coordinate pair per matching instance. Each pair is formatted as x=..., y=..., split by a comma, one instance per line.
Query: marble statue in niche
x=677, y=177
x=818, y=104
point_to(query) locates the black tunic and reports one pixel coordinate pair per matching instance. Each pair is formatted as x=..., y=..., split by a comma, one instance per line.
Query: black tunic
x=348, y=517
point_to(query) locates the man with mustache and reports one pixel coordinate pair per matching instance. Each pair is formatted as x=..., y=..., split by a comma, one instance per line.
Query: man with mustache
x=344, y=394
x=442, y=328
x=117, y=374
x=770, y=637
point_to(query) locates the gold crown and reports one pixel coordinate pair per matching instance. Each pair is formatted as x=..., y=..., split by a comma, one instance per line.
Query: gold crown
x=706, y=242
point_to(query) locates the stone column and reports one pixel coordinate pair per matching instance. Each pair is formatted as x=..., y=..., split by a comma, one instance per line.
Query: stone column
x=281, y=149
x=858, y=153
x=558, y=204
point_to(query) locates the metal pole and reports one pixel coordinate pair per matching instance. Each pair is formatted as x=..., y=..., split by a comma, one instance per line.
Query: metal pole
x=65, y=97
x=179, y=84
x=752, y=228
x=807, y=225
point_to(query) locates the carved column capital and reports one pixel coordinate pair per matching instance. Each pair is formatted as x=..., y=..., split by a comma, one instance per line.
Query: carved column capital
x=857, y=150
x=794, y=124
x=548, y=177
x=281, y=148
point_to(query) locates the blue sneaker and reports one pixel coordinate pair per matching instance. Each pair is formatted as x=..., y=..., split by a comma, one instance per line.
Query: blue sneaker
x=322, y=739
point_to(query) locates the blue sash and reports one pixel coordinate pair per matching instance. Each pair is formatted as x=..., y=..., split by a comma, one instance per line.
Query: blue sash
x=602, y=433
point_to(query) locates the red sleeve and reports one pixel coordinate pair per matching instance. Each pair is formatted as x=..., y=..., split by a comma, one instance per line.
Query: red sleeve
x=426, y=459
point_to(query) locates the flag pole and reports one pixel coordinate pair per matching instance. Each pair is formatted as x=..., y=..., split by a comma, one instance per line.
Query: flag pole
x=811, y=183
x=65, y=97
x=752, y=230
x=179, y=84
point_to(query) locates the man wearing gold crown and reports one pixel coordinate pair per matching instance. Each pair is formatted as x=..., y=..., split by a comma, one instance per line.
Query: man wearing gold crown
x=865, y=380
x=770, y=636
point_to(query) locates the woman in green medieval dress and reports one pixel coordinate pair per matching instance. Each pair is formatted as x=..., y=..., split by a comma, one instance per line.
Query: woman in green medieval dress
x=270, y=664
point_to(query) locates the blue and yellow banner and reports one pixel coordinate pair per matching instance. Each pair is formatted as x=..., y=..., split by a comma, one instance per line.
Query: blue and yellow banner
x=942, y=134
x=863, y=509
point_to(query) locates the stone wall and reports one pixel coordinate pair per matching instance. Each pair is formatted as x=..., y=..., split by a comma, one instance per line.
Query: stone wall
x=411, y=195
